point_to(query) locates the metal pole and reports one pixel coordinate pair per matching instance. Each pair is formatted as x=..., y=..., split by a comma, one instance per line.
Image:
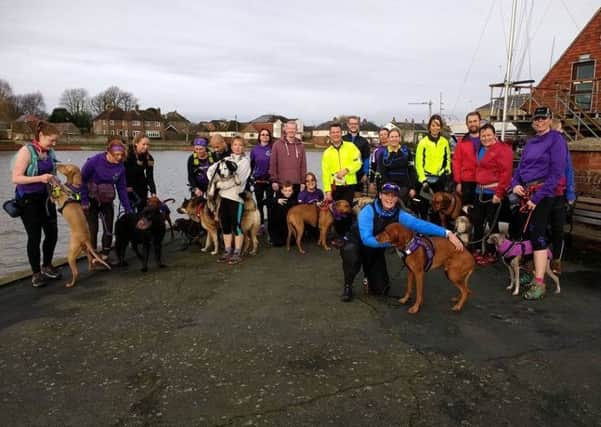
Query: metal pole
x=508, y=71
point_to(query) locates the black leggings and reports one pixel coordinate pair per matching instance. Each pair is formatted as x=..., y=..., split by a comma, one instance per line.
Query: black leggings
x=39, y=214
x=356, y=255
x=106, y=211
x=230, y=216
x=483, y=213
x=262, y=192
x=549, y=212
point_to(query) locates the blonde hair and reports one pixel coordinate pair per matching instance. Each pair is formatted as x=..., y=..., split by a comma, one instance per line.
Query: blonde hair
x=216, y=138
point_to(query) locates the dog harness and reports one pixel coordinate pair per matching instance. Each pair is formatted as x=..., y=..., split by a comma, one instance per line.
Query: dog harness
x=419, y=241
x=509, y=249
x=71, y=191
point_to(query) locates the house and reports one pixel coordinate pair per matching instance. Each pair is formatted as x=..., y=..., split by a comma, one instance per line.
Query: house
x=128, y=124
x=275, y=124
x=21, y=130
x=68, y=129
x=176, y=126
x=367, y=129
x=226, y=128
x=411, y=132
x=250, y=132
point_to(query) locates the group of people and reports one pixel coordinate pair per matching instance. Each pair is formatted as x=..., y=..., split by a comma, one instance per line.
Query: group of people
x=480, y=170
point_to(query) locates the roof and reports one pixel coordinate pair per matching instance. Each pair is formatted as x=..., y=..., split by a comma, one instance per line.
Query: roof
x=150, y=114
x=269, y=118
x=409, y=125
x=28, y=118
x=67, y=128
x=174, y=116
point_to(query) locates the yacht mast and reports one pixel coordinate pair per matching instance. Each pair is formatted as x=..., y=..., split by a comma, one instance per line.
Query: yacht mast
x=508, y=70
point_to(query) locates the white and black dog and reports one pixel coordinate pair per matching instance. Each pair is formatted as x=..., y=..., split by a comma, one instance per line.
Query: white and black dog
x=515, y=251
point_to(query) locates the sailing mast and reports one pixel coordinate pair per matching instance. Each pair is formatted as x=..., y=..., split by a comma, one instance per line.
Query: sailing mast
x=508, y=70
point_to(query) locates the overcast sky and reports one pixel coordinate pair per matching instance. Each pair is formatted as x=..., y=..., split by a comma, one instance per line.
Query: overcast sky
x=309, y=59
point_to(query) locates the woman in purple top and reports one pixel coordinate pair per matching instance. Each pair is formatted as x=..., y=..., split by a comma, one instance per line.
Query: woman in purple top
x=311, y=194
x=540, y=179
x=101, y=175
x=259, y=164
x=34, y=166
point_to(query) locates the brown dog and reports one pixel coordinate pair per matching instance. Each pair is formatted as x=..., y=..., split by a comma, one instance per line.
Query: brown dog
x=316, y=216
x=66, y=198
x=360, y=202
x=447, y=205
x=198, y=211
x=458, y=266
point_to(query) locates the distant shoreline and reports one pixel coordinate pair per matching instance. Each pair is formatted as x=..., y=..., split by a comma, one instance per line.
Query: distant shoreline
x=94, y=146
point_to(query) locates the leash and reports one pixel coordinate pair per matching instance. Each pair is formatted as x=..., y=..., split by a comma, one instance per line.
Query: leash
x=490, y=228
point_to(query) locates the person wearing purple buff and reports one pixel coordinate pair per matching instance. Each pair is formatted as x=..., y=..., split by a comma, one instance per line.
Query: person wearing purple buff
x=540, y=180
x=101, y=175
x=259, y=164
x=197, y=166
x=361, y=249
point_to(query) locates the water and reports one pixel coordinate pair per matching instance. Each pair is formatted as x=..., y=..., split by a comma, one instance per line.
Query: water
x=170, y=178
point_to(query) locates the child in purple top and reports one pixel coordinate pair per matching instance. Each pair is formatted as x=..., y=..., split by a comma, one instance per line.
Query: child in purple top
x=311, y=194
x=101, y=175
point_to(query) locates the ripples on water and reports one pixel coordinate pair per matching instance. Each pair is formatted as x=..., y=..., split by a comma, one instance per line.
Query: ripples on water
x=170, y=177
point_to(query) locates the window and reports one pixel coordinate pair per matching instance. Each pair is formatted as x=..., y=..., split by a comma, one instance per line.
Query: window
x=157, y=124
x=582, y=84
x=153, y=134
x=111, y=122
x=135, y=133
x=136, y=123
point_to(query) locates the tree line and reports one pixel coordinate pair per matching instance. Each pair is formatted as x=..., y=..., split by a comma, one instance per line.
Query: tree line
x=76, y=105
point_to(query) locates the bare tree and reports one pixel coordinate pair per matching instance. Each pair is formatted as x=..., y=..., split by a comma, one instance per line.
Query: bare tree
x=113, y=97
x=6, y=92
x=31, y=103
x=76, y=101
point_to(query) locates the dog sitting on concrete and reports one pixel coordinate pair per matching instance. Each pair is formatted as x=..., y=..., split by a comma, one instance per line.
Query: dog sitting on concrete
x=66, y=198
x=198, y=211
x=516, y=252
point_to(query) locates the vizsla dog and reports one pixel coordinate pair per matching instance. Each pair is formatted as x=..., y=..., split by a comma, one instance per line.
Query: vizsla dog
x=458, y=266
x=316, y=216
x=516, y=252
x=447, y=205
x=66, y=198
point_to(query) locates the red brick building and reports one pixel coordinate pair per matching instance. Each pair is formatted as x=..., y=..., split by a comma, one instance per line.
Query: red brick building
x=128, y=124
x=573, y=84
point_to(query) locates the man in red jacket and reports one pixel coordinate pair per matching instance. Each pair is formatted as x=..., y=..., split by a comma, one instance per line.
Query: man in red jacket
x=464, y=160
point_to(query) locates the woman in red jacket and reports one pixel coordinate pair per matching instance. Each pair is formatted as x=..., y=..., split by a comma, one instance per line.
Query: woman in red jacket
x=493, y=177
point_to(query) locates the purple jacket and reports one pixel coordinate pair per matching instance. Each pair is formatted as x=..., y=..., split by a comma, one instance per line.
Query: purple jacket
x=259, y=161
x=288, y=162
x=310, y=196
x=543, y=159
x=99, y=170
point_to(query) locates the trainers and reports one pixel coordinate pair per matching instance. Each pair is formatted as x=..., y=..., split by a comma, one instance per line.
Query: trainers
x=51, y=272
x=38, y=279
x=225, y=257
x=556, y=266
x=235, y=259
x=536, y=292
x=526, y=278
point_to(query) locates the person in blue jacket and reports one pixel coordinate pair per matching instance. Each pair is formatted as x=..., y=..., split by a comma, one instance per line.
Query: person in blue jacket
x=361, y=249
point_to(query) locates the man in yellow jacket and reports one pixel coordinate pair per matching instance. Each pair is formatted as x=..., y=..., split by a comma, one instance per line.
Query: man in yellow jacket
x=339, y=166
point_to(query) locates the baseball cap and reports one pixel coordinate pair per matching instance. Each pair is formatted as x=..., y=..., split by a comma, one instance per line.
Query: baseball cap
x=390, y=187
x=542, y=112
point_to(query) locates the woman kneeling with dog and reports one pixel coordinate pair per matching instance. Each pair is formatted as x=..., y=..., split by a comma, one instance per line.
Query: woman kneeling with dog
x=362, y=249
